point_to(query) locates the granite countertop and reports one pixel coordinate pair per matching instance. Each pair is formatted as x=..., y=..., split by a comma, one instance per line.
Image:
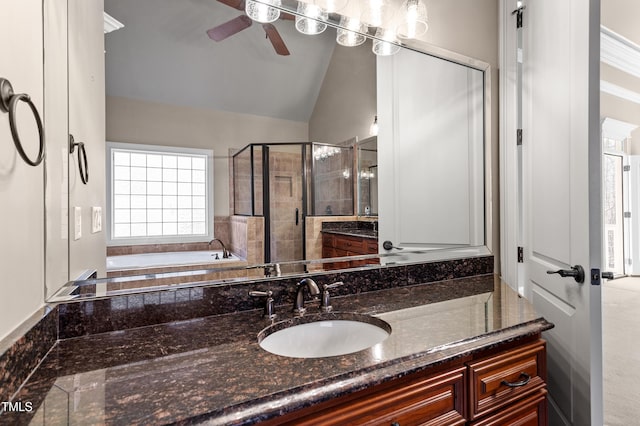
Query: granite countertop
x=352, y=228
x=212, y=369
x=363, y=233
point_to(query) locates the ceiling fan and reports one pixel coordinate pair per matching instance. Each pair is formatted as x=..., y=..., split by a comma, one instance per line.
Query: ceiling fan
x=242, y=22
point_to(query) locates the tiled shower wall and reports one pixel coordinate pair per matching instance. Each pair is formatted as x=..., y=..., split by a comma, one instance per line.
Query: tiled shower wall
x=247, y=238
x=333, y=184
x=285, y=196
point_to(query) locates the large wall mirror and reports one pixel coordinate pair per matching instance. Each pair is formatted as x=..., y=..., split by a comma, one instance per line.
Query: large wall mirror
x=201, y=75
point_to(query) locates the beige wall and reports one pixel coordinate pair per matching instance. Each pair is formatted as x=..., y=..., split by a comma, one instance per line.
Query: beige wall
x=86, y=124
x=135, y=121
x=346, y=103
x=21, y=186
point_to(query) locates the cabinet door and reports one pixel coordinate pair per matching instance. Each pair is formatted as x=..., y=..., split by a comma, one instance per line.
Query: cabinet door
x=435, y=400
x=531, y=411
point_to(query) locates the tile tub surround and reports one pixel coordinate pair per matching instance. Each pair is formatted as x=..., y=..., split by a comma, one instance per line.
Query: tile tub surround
x=222, y=230
x=23, y=349
x=155, y=307
x=213, y=369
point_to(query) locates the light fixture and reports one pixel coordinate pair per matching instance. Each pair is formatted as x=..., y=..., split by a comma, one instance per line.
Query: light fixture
x=311, y=21
x=332, y=6
x=375, y=12
x=262, y=11
x=352, y=32
x=386, y=43
x=373, y=130
x=322, y=152
x=413, y=21
x=366, y=174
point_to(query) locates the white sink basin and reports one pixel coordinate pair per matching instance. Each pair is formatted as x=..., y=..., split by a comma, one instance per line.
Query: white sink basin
x=323, y=335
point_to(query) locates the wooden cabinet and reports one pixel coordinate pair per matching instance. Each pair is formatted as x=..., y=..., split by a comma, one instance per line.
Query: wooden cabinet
x=336, y=245
x=414, y=400
x=500, y=388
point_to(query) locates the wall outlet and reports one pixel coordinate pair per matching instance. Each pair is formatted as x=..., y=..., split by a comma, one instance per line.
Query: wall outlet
x=96, y=219
x=77, y=220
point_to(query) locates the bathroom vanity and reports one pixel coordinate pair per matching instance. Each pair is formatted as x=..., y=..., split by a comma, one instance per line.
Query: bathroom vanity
x=351, y=238
x=462, y=351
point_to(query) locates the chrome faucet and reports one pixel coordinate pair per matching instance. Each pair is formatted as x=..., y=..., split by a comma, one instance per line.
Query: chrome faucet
x=225, y=252
x=310, y=284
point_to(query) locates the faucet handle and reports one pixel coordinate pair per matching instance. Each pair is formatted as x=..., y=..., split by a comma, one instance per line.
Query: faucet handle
x=269, y=308
x=325, y=303
x=333, y=285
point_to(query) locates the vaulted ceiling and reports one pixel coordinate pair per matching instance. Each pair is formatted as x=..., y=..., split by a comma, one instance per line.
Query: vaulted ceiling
x=163, y=54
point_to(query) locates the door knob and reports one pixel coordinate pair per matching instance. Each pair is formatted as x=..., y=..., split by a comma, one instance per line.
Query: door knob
x=388, y=245
x=577, y=272
x=607, y=275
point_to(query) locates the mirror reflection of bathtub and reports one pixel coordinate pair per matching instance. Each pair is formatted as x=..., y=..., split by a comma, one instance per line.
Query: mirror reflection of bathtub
x=151, y=263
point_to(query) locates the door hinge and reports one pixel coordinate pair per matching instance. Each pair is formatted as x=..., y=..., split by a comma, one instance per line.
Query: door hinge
x=626, y=168
x=519, y=137
x=627, y=215
x=520, y=255
x=629, y=261
x=518, y=13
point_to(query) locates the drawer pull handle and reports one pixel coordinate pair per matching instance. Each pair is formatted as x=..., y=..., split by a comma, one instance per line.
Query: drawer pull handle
x=525, y=379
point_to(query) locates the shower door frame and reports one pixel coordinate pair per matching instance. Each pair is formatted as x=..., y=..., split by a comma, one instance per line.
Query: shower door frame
x=266, y=206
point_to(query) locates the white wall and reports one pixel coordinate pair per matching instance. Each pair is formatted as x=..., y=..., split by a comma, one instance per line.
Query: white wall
x=135, y=121
x=21, y=186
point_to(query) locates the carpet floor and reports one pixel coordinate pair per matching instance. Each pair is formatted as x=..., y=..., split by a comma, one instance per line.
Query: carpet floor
x=621, y=351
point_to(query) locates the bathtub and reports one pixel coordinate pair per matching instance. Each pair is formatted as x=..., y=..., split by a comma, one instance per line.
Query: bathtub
x=167, y=259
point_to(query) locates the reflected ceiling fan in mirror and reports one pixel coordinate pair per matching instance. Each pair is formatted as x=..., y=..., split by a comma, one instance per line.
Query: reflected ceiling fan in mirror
x=243, y=22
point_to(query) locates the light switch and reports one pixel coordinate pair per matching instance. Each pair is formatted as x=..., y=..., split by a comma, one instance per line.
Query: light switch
x=96, y=219
x=77, y=220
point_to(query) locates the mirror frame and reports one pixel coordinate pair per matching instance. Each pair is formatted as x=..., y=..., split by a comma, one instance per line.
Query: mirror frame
x=66, y=292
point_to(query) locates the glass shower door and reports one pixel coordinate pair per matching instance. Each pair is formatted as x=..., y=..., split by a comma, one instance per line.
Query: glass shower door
x=285, y=197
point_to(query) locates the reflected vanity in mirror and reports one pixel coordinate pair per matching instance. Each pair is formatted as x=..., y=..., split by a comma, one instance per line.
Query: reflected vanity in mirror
x=445, y=132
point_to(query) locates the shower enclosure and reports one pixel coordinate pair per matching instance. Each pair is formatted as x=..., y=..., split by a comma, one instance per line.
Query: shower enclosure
x=285, y=183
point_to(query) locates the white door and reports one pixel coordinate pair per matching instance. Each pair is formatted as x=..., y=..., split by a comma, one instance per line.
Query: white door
x=430, y=151
x=561, y=196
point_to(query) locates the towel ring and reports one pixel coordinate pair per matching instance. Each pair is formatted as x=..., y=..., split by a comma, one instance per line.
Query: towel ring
x=9, y=103
x=83, y=165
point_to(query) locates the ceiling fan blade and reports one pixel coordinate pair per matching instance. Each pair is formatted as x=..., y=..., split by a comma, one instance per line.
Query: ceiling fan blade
x=276, y=40
x=287, y=16
x=229, y=28
x=236, y=4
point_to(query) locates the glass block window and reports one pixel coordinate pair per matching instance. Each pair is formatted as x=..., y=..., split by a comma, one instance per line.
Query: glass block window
x=159, y=194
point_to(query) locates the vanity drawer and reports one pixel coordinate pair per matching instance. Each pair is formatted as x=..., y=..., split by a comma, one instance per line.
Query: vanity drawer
x=435, y=400
x=524, y=368
x=531, y=411
x=351, y=244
